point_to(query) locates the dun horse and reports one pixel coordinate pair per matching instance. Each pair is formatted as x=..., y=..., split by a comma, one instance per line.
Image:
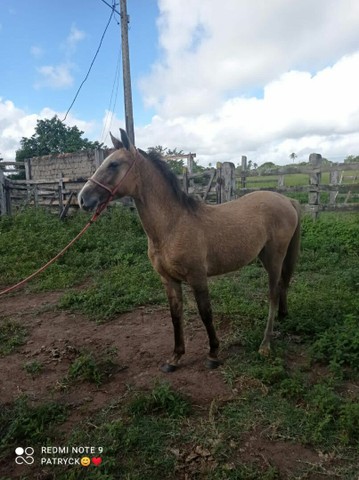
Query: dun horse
x=189, y=241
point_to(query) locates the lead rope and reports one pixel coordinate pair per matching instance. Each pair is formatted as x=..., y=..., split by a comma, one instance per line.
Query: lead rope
x=53, y=260
x=94, y=217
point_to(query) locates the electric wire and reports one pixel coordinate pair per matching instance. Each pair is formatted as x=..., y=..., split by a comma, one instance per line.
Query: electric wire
x=112, y=103
x=91, y=65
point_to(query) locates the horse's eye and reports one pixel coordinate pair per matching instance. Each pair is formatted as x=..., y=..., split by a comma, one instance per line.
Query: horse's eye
x=113, y=165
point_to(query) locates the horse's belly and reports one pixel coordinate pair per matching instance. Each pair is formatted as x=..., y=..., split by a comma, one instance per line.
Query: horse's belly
x=219, y=264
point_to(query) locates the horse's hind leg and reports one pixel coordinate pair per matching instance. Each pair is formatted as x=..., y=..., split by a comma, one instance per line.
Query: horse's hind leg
x=204, y=307
x=273, y=264
x=174, y=295
x=284, y=284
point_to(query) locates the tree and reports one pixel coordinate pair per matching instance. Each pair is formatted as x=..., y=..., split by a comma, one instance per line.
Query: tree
x=267, y=165
x=53, y=136
x=351, y=159
x=293, y=156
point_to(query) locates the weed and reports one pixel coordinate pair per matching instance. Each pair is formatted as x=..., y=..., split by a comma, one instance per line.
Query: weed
x=161, y=400
x=136, y=437
x=22, y=423
x=90, y=368
x=33, y=368
x=339, y=345
x=12, y=335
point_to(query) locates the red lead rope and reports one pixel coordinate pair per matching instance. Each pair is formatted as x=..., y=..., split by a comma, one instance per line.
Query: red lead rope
x=94, y=217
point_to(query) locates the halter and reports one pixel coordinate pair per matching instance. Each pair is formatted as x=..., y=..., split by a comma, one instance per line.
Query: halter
x=112, y=192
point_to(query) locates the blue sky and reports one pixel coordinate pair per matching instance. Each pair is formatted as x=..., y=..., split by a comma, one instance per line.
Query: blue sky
x=65, y=34
x=243, y=77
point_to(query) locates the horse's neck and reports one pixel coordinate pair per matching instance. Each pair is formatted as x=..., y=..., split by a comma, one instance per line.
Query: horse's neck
x=158, y=210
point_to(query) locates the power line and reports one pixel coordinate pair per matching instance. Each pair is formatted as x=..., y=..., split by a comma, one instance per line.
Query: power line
x=91, y=65
x=113, y=100
x=111, y=6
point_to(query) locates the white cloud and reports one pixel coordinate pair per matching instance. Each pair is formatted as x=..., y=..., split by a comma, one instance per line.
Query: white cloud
x=60, y=76
x=55, y=76
x=15, y=123
x=255, y=78
x=298, y=112
x=36, y=51
x=73, y=39
x=210, y=52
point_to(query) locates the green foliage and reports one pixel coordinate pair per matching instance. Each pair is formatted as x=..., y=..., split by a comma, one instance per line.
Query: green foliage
x=53, y=136
x=331, y=233
x=136, y=436
x=12, y=335
x=339, y=344
x=117, y=291
x=88, y=367
x=351, y=159
x=162, y=400
x=24, y=424
x=33, y=368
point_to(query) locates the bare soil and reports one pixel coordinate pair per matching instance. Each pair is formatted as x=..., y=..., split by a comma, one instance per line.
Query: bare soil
x=143, y=340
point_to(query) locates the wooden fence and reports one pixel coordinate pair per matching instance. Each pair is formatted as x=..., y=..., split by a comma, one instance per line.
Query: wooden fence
x=214, y=185
x=226, y=183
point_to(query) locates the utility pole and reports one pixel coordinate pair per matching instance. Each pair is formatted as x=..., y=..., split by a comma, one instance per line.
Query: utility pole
x=126, y=72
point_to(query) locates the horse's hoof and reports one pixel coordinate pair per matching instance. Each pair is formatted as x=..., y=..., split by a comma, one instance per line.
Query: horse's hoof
x=212, y=364
x=168, y=368
x=264, y=350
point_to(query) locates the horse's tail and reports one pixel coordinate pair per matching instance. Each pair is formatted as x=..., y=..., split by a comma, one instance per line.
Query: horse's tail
x=292, y=254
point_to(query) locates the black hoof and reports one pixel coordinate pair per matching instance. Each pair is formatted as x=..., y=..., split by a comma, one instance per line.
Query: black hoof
x=168, y=368
x=212, y=364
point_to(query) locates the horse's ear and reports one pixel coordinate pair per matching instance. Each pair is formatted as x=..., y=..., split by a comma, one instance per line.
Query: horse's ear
x=125, y=140
x=116, y=142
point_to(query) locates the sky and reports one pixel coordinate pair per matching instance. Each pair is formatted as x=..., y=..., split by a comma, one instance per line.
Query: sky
x=262, y=78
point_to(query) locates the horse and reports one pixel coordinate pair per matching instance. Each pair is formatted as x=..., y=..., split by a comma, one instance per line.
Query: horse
x=189, y=240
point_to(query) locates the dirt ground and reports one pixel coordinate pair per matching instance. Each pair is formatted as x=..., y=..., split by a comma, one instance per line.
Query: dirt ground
x=143, y=341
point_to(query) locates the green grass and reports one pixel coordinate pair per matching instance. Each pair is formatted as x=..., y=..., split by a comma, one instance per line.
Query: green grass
x=12, y=335
x=25, y=424
x=301, y=394
x=33, y=368
x=110, y=258
x=298, y=180
x=90, y=367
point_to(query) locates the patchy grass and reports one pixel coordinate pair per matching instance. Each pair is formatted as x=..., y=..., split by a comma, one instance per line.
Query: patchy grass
x=12, y=335
x=26, y=424
x=298, y=397
x=91, y=367
x=33, y=368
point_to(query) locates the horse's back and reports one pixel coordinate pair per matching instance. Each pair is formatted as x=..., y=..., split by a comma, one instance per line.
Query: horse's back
x=237, y=231
x=261, y=207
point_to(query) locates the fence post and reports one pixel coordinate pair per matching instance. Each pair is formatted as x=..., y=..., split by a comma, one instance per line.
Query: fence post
x=315, y=161
x=280, y=182
x=243, y=171
x=27, y=162
x=99, y=157
x=185, y=179
x=61, y=193
x=3, y=209
x=219, y=182
x=228, y=185
x=333, y=181
x=190, y=163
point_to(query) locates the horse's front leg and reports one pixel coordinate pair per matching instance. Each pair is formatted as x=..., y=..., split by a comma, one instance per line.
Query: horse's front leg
x=205, y=310
x=174, y=295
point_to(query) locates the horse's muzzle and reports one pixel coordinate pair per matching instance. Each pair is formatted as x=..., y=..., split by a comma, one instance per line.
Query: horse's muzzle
x=87, y=202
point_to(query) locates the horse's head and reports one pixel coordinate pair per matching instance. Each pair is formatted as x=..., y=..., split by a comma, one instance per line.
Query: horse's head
x=114, y=177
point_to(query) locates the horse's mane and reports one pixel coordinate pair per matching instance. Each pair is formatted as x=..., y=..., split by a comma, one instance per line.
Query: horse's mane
x=188, y=202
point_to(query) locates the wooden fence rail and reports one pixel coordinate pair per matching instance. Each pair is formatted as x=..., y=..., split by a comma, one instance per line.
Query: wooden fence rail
x=214, y=185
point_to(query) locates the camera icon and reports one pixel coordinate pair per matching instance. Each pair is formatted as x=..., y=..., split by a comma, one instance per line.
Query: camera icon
x=24, y=455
